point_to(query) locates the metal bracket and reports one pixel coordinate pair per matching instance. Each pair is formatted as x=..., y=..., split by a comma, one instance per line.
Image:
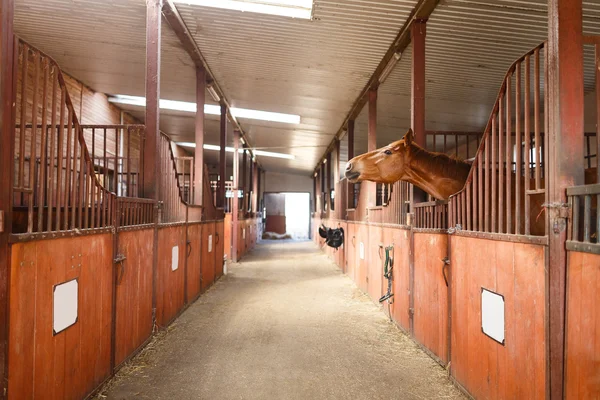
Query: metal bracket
x=120, y=258
x=411, y=311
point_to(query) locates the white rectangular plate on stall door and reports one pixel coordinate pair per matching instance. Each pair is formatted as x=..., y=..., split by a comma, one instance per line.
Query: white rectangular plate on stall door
x=492, y=315
x=175, y=258
x=65, y=305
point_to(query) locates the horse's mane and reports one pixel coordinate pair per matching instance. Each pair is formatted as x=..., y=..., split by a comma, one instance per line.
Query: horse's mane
x=438, y=163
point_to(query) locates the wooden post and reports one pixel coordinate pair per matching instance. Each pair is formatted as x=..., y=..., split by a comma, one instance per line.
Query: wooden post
x=563, y=164
x=350, y=157
x=152, y=160
x=417, y=113
x=254, y=187
x=7, y=139
x=151, y=142
x=328, y=179
x=199, y=152
x=258, y=180
x=244, y=176
x=372, y=144
x=235, y=203
x=221, y=201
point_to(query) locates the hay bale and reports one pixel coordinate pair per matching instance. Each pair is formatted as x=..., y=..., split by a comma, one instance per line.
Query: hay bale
x=276, y=236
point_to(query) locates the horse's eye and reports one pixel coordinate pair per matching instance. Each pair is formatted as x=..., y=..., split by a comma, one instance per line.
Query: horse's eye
x=388, y=152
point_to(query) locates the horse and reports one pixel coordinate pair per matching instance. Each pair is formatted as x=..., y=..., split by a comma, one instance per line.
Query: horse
x=438, y=174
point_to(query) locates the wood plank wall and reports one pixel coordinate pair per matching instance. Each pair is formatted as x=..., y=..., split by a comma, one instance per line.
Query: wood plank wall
x=583, y=327
x=485, y=368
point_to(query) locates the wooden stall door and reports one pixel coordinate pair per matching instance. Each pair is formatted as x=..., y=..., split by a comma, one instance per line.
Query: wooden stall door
x=362, y=246
x=71, y=363
x=227, y=236
x=208, y=255
x=582, y=376
x=376, y=257
x=351, y=251
x=194, y=261
x=484, y=367
x=134, y=292
x=400, y=239
x=430, y=321
x=219, y=233
x=171, y=273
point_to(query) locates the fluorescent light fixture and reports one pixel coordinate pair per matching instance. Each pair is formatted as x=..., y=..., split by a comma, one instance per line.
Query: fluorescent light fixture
x=210, y=109
x=230, y=150
x=285, y=8
x=213, y=93
x=390, y=67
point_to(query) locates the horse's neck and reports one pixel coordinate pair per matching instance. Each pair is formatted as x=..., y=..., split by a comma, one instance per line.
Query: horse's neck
x=436, y=174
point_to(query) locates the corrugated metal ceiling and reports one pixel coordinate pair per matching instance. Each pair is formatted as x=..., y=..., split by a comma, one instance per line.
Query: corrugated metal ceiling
x=312, y=68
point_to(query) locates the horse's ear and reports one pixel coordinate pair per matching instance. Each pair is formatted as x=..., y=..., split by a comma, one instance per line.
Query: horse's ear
x=409, y=137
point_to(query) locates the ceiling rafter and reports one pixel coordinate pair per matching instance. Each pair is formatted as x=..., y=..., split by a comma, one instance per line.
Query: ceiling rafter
x=422, y=11
x=175, y=21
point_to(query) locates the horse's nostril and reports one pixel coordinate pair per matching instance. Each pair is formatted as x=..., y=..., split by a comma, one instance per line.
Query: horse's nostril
x=349, y=167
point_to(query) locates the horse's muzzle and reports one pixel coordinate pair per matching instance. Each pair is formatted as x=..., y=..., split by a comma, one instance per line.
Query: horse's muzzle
x=351, y=175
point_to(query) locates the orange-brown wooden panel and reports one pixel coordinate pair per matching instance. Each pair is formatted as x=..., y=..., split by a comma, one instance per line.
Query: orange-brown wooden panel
x=219, y=229
x=376, y=258
x=582, y=377
x=486, y=368
x=170, y=283
x=194, y=260
x=362, y=257
x=431, y=293
x=208, y=254
x=70, y=364
x=351, y=250
x=400, y=239
x=227, y=236
x=134, y=292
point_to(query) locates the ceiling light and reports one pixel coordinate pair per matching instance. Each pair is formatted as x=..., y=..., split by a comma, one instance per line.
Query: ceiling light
x=210, y=109
x=230, y=150
x=213, y=93
x=286, y=8
x=390, y=67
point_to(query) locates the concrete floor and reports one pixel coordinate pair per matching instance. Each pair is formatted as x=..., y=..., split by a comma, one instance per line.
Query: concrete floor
x=283, y=324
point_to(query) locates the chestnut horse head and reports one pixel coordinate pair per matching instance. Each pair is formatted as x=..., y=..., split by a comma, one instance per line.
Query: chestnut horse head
x=436, y=173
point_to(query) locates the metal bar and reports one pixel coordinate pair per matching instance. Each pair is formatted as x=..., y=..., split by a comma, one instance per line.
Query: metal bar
x=508, y=154
x=487, y=171
x=480, y=223
x=68, y=158
x=32, y=155
x=222, y=160
x=198, y=168
x=43, y=147
x=527, y=136
x=128, y=169
x=74, y=176
x=81, y=191
x=59, y=188
x=493, y=171
x=518, y=149
x=575, y=223
x=474, y=187
x=501, y=177
x=536, y=115
x=587, y=207
x=22, y=133
x=468, y=205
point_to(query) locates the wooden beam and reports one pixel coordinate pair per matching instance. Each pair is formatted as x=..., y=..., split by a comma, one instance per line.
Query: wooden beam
x=336, y=162
x=235, y=203
x=350, y=194
x=189, y=44
x=417, y=98
x=244, y=177
x=328, y=182
x=565, y=151
x=371, y=145
x=7, y=124
x=254, y=200
x=221, y=201
x=422, y=11
x=199, y=135
x=151, y=142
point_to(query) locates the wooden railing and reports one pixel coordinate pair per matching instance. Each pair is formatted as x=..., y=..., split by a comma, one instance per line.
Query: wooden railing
x=431, y=215
x=135, y=211
x=508, y=170
x=56, y=186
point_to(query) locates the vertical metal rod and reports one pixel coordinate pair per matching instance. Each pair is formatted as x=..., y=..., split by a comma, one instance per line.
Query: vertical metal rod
x=43, y=148
x=468, y=205
x=128, y=169
x=68, y=157
x=501, y=177
x=527, y=139
x=32, y=152
x=487, y=171
x=576, y=234
x=518, y=150
x=23, y=121
x=536, y=116
x=74, y=177
x=474, y=187
x=61, y=142
x=587, y=207
x=509, y=153
x=494, y=172
x=81, y=191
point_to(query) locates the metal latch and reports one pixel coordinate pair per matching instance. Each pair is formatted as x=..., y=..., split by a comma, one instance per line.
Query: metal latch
x=119, y=260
